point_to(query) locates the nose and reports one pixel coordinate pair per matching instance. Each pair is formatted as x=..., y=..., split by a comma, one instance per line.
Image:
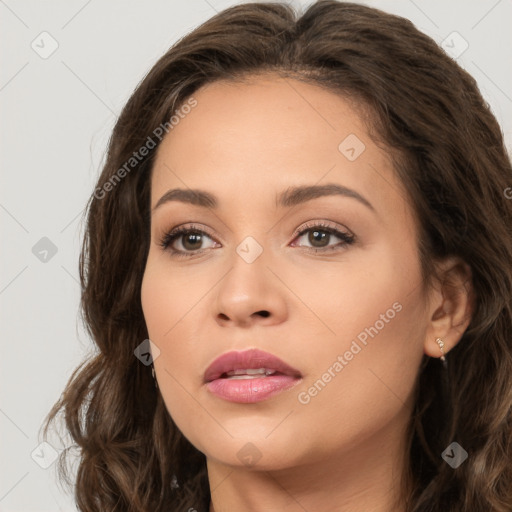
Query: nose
x=250, y=294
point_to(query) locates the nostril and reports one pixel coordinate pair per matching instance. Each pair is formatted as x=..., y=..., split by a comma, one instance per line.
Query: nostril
x=263, y=313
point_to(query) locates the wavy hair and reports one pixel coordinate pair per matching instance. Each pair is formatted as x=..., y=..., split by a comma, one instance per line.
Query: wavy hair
x=448, y=151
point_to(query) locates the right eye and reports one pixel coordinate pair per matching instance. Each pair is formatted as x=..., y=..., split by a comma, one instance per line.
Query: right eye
x=189, y=237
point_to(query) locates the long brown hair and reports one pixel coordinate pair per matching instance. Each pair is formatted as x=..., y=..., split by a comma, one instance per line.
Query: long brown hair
x=449, y=153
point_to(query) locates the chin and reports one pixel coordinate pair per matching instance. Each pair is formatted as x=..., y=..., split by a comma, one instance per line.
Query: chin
x=254, y=454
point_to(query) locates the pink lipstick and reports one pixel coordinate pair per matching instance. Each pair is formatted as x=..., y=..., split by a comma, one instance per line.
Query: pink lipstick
x=249, y=376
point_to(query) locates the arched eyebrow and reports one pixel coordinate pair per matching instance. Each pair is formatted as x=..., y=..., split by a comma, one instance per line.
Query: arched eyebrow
x=293, y=196
x=290, y=197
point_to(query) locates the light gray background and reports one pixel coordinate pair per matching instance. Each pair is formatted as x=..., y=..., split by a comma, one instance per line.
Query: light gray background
x=57, y=115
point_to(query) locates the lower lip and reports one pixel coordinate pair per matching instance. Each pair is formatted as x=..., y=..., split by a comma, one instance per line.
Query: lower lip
x=248, y=391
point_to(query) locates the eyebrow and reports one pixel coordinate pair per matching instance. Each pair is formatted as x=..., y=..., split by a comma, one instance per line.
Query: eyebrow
x=292, y=196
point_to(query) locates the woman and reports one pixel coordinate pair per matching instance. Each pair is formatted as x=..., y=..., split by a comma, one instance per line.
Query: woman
x=298, y=272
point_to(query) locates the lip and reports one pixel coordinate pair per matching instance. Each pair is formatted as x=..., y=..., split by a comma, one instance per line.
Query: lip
x=253, y=389
x=247, y=360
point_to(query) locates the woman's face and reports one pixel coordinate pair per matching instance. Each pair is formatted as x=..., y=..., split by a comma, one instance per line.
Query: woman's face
x=350, y=317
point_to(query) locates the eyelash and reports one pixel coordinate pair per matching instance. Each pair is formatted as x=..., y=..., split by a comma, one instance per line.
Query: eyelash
x=169, y=237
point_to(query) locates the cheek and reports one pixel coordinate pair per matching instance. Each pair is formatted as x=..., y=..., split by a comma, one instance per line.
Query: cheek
x=345, y=298
x=358, y=389
x=171, y=307
x=169, y=296
x=365, y=371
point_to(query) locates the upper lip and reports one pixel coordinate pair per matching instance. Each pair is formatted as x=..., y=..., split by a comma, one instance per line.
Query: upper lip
x=247, y=359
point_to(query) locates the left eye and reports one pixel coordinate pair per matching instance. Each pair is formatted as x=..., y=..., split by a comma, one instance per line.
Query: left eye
x=321, y=236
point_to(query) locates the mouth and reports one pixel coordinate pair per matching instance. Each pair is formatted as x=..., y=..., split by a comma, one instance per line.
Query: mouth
x=249, y=373
x=250, y=376
x=248, y=364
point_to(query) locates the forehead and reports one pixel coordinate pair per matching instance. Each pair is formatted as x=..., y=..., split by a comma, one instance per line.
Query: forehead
x=253, y=139
x=282, y=113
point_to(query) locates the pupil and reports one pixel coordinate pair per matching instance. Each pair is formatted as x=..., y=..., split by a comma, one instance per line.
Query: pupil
x=192, y=237
x=318, y=236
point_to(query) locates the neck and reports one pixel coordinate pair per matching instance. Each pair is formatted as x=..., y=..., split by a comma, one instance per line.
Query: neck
x=367, y=477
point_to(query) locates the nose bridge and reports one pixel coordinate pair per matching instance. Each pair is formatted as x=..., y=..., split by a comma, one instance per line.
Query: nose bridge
x=246, y=279
x=249, y=287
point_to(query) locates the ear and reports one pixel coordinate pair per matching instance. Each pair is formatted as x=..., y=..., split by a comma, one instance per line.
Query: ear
x=450, y=305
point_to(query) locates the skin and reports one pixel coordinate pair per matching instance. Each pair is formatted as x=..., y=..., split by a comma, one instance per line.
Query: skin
x=343, y=450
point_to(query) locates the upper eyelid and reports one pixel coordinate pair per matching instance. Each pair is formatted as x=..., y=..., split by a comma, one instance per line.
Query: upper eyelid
x=322, y=224
x=303, y=227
